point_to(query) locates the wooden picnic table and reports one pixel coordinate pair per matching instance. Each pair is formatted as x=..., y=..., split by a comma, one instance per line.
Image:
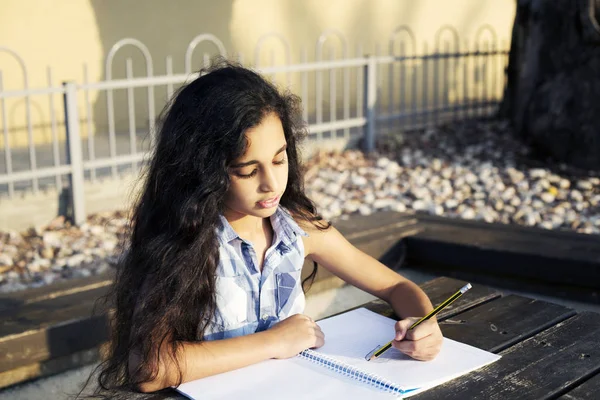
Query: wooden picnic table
x=548, y=351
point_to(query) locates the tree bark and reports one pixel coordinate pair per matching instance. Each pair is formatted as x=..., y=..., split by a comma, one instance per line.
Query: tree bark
x=552, y=96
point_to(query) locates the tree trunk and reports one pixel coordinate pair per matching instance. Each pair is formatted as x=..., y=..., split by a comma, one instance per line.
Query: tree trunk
x=553, y=88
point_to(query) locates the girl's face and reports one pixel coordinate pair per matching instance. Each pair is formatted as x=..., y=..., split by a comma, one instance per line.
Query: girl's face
x=259, y=177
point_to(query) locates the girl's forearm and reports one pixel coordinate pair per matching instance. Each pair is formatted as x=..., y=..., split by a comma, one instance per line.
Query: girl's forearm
x=408, y=300
x=201, y=359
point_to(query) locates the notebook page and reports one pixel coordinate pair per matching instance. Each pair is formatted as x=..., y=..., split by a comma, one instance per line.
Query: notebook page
x=350, y=336
x=280, y=379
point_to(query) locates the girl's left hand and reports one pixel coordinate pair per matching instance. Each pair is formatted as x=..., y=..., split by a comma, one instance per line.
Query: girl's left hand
x=421, y=343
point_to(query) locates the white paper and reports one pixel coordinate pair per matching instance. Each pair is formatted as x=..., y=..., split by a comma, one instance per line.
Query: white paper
x=348, y=338
x=279, y=379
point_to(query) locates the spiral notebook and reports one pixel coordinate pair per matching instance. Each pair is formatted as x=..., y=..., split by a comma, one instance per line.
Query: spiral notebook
x=339, y=368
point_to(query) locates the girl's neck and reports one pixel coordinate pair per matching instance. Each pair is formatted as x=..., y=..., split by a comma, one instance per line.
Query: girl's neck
x=247, y=226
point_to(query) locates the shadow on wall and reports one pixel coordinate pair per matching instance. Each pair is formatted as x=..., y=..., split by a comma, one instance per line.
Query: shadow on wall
x=165, y=29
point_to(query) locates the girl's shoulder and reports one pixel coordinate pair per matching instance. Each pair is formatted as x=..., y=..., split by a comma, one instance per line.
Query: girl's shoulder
x=308, y=226
x=315, y=231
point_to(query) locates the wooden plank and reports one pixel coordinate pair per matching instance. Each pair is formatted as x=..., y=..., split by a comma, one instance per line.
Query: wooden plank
x=50, y=312
x=440, y=289
x=506, y=250
x=52, y=328
x=588, y=390
x=511, y=238
x=11, y=301
x=541, y=367
x=359, y=227
x=496, y=325
x=483, y=276
x=49, y=367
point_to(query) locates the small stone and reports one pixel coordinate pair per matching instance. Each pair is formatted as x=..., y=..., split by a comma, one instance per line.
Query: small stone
x=49, y=278
x=47, y=252
x=52, y=239
x=451, y=203
x=537, y=173
x=585, y=185
x=14, y=238
x=488, y=216
x=383, y=162
x=576, y=195
x=398, y=207
x=471, y=178
x=509, y=193
x=393, y=168
x=564, y=183
x=82, y=273
x=332, y=189
x=531, y=218
x=358, y=180
x=515, y=175
x=381, y=203
x=515, y=201
x=57, y=223
x=557, y=220
x=364, y=210
x=498, y=205
x=419, y=205
x=75, y=260
x=369, y=198
x=351, y=207
x=6, y=260
x=38, y=265
x=547, y=225
x=548, y=197
x=468, y=214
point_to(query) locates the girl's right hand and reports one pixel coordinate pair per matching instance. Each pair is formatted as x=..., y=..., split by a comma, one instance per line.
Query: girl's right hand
x=295, y=334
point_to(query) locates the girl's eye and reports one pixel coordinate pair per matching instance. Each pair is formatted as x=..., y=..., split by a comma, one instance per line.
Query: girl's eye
x=246, y=176
x=255, y=171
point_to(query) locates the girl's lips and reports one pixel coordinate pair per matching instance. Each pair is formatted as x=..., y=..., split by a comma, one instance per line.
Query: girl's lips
x=269, y=203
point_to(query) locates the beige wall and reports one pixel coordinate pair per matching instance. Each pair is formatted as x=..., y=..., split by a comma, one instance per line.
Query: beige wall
x=66, y=34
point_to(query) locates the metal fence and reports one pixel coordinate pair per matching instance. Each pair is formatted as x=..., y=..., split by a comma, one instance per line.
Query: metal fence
x=345, y=97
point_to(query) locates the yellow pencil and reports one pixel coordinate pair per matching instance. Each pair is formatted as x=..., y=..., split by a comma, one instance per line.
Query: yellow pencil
x=425, y=318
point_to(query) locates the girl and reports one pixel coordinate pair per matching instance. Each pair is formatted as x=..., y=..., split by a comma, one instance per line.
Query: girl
x=211, y=278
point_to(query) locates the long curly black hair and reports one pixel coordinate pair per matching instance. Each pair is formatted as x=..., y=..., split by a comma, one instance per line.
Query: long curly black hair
x=167, y=273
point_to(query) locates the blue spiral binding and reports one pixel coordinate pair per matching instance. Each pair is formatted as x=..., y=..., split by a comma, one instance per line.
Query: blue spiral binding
x=352, y=372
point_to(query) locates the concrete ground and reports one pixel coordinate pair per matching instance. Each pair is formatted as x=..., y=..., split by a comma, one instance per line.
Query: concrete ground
x=319, y=305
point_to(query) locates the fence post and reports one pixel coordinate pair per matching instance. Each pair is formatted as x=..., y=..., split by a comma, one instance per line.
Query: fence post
x=74, y=157
x=370, y=103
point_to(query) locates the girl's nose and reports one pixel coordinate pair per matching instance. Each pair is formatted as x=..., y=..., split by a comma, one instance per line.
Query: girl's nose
x=269, y=181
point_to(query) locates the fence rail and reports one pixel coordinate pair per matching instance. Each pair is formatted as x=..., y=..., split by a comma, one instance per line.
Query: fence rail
x=106, y=128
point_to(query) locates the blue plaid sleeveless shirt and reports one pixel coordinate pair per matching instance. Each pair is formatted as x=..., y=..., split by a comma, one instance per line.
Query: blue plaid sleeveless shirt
x=249, y=300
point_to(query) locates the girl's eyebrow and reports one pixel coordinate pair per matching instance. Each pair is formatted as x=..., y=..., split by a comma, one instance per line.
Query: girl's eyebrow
x=245, y=164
